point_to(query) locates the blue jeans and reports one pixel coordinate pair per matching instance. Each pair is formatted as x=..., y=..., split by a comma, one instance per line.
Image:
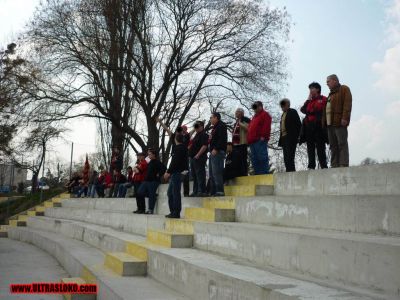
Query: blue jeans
x=217, y=172
x=92, y=190
x=174, y=194
x=193, y=175
x=123, y=188
x=259, y=157
x=149, y=189
x=83, y=190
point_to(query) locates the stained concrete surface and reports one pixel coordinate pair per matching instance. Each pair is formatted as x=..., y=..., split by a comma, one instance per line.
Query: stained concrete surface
x=25, y=263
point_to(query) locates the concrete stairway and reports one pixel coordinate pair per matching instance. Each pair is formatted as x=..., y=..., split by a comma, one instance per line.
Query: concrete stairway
x=329, y=234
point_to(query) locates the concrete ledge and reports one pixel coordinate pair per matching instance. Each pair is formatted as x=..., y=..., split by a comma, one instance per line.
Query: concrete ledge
x=382, y=179
x=127, y=204
x=201, y=275
x=370, y=262
x=362, y=214
x=123, y=221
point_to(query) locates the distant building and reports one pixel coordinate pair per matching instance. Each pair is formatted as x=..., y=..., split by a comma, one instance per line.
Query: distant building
x=10, y=175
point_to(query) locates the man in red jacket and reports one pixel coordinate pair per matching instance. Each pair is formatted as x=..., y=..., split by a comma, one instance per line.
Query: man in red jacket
x=258, y=134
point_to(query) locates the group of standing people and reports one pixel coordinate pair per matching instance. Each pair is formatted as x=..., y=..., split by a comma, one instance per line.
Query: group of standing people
x=326, y=121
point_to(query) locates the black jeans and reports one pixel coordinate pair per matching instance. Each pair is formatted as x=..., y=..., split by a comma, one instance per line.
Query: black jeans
x=140, y=200
x=186, y=185
x=289, y=153
x=316, y=140
x=174, y=194
x=198, y=169
x=241, y=154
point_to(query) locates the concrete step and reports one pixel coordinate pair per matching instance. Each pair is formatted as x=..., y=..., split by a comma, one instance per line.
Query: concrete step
x=33, y=213
x=82, y=260
x=368, y=261
x=22, y=218
x=65, y=195
x=210, y=214
x=3, y=231
x=125, y=264
x=219, y=202
x=169, y=239
x=362, y=214
x=254, y=180
x=179, y=225
x=104, y=238
x=202, y=275
x=77, y=280
x=50, y=203
x=248, y=190
x=123, y=221
x=195, y=272
x=40, y=208
x=381, y=179
x=16, y=223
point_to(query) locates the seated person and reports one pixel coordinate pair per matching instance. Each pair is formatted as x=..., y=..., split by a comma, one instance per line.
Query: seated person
x=104, y=182
x=73, y=184
x=117, y=180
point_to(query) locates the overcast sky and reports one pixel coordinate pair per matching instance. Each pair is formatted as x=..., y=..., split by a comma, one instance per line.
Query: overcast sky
x=359, y=40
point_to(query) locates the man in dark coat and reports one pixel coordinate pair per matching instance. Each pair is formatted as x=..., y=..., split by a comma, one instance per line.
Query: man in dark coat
x=289, y=134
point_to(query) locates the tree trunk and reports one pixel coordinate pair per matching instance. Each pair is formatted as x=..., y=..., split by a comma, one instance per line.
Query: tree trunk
x=34, y=181
x=153, y=140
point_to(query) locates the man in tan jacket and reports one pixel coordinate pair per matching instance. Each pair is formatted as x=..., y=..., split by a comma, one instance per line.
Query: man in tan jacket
x=336, y=117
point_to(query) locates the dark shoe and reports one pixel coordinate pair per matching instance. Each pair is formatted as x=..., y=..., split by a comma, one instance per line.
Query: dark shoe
x=149, y=212
x=219, y=194
x=172, y=216
x=192, y=195
x=139, y=211
x=202, y=195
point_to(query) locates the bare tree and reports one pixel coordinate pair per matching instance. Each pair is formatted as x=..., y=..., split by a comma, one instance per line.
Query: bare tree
x=129, y=61
x=35, y=145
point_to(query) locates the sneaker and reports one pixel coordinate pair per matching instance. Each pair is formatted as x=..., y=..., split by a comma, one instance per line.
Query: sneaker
x=149, y=212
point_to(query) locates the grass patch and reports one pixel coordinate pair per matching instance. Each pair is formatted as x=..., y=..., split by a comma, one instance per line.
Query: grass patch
x=15, y=206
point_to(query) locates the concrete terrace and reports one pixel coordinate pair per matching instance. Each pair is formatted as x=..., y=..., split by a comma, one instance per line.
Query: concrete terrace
x=325, y=234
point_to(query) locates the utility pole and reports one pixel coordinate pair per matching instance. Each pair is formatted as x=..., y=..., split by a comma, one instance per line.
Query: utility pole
x=41, y=190
x=70, y=166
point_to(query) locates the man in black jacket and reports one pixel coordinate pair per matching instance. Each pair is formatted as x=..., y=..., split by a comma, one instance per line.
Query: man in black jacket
x=155, y=170
x=217, y=147
x=289, y=134
x=179, y=163
x=198, y=159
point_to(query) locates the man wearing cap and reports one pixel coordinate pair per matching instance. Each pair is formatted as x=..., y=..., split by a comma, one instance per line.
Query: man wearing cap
x=289, y=134
x=336, y=117
x=258, y=134
x=239, y=141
